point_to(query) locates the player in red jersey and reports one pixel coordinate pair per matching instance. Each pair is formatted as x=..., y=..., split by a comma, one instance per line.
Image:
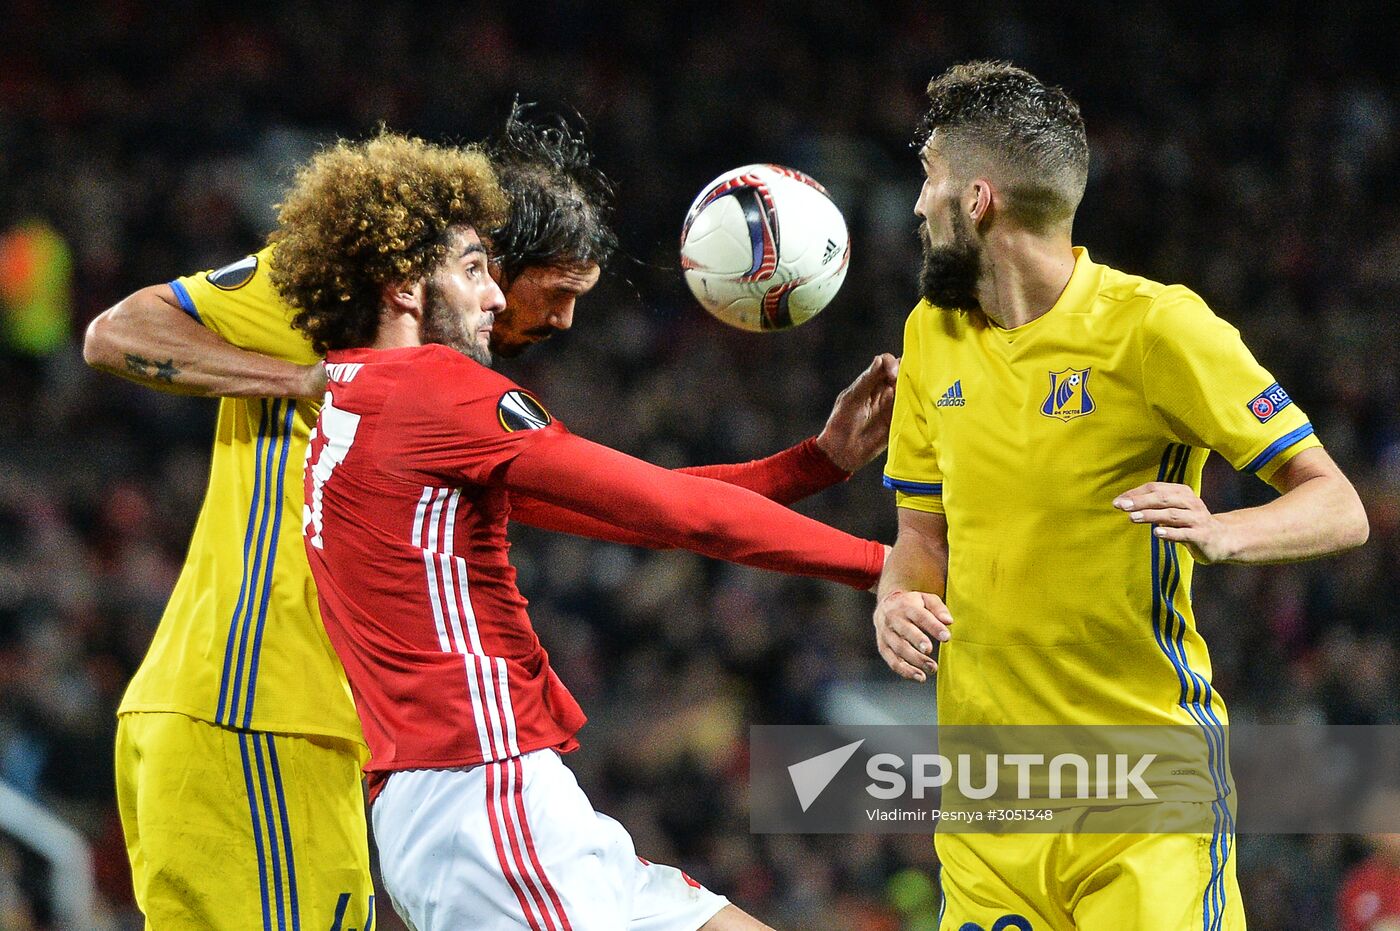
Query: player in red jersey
x=547, y=254
x=411, y=468
x=551, y=248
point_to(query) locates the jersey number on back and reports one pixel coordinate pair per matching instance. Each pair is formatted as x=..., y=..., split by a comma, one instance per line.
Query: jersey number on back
x=337, y=427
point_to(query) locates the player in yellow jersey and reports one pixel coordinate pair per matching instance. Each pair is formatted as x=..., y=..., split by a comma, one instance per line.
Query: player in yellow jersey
x=239, y=752
x=1051, y=422
x=238, y=747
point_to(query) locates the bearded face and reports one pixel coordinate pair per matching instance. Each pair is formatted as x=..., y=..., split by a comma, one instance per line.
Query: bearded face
x=463, y=328
x=948, y=277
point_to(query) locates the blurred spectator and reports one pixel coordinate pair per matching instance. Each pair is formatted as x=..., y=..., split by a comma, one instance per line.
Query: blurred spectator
x=36, y=270
x=16, y=912
x=1370, y=896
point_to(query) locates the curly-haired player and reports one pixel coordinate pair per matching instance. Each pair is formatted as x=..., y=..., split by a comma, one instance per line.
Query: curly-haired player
x=408, y=480
x=1051, y=424
x=238, y=748
x=240, y=657
x=340, y=234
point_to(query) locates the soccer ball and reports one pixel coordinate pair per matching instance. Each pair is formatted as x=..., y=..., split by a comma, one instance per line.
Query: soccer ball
x=764, y=248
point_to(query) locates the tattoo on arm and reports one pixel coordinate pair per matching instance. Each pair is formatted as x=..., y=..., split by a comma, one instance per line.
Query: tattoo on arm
x=152, y=368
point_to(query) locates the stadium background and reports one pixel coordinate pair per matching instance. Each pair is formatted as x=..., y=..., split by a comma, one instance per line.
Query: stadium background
x=1237, y=147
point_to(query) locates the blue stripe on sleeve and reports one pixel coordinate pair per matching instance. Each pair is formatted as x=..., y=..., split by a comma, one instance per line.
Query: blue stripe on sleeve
x=1278, y=446
x=186, y=302
x=914, y=488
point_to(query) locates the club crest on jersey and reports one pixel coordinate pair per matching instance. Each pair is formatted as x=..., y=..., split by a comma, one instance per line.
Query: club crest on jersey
x=1269, y=402
x=1069, y=395
x=234, y=275
x=519, y=411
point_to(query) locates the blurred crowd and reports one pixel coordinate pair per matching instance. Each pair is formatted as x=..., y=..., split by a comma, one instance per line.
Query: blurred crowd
x=1246, y=153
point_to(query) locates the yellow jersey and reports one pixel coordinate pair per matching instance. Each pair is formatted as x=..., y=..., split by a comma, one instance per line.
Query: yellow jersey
x=1066, y=612
x=241, y=642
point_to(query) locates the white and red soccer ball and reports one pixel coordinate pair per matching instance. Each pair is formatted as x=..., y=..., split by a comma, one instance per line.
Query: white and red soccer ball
x=764, y=248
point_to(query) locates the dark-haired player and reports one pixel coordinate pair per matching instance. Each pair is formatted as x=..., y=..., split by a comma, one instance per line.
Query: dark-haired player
x=240, y=676
x=552, y=247
x=1051, y=423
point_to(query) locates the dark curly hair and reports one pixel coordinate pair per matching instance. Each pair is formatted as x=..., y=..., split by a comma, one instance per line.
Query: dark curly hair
x=361, y=215
x=560, y=204
x=992, y=115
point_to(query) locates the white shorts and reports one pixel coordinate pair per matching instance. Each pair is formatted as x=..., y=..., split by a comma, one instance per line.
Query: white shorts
x=516, y=844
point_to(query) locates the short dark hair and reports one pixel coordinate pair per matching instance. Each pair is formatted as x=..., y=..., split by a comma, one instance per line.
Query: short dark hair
x=560, y=204
x=1032, y=129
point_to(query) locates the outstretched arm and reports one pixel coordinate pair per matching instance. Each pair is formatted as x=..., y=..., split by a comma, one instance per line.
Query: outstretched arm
x=147, y=338
x=785, y=477
x=1317, y=514
x=855, y=433
x=708, y=517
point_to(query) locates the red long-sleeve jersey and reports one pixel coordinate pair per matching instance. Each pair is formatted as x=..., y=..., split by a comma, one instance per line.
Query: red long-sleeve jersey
x=784, y=477
x=408, y=485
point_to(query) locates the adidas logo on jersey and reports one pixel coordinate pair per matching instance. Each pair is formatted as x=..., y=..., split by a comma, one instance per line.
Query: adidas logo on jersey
x=953, y=397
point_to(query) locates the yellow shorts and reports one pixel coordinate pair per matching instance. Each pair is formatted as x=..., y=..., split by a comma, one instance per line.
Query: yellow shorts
x=1088, y=882
x=242, y=830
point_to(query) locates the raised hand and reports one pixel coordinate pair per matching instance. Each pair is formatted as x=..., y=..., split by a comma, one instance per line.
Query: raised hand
x=859, y=426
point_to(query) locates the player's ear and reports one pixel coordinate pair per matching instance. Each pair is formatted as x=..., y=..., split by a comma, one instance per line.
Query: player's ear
x=402, y=297
x=979, y=202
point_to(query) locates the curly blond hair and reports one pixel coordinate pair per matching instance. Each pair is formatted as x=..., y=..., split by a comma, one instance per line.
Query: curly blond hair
x=361, y=215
